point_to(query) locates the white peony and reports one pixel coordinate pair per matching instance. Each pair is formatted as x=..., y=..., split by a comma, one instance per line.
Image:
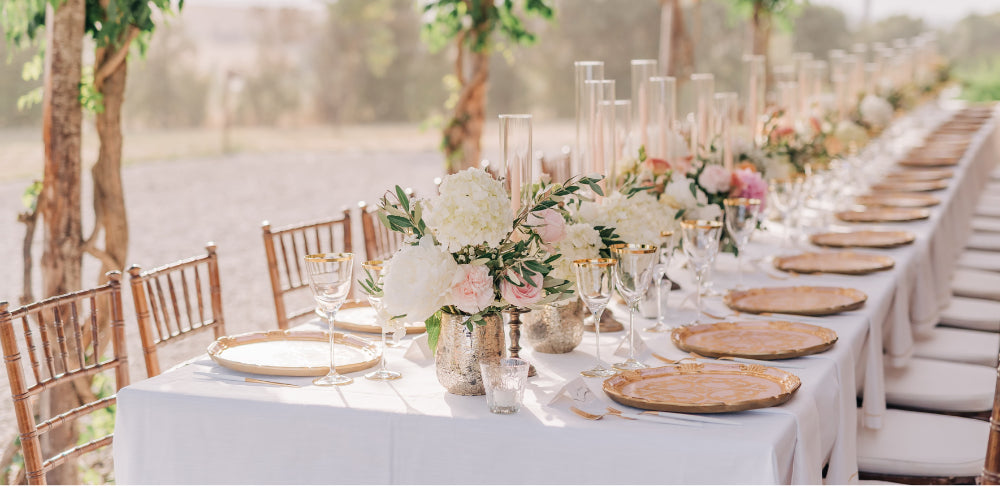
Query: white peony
x=638, y=219
x=582, y=241
x=875, y=111
x=418, y=279
x=471, y=209
x=849, y=132
x=679, y=196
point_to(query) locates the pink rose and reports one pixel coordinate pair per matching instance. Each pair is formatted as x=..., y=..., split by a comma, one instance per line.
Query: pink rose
x=657, y=165
x=472, y=289
x=714, y=179
x=549, y=224
x=522, y=296
x=749, y=184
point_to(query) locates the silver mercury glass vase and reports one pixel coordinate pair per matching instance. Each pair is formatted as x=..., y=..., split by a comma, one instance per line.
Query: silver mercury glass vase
x=460, y=350
x=554, y=328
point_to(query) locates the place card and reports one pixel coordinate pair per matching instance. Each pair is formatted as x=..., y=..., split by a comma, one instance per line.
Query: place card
x=576, y=390
x=419, y=351
x=640, y=346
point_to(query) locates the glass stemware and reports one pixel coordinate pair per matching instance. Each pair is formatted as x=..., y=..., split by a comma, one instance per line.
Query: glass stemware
x=595, y=286
x=742, y=215
x=659, y=272
x=632, y=276
x=783, y=195
x=701, y=245
x=374, y=271
x=330, y=281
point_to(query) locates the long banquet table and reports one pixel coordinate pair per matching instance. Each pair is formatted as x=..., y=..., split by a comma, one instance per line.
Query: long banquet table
x=183, y=428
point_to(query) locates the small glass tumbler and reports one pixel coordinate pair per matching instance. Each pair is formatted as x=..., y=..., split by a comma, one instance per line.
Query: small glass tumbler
x=504, y=380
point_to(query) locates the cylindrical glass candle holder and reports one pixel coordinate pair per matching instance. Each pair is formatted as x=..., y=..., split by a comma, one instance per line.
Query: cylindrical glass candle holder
x=642, y=71
x=592, y=152
x=704, y=90
x=755, y=81
x=583, y=71
x=662, y=114
x=515, y=147
x=725, y=115
x=616, y=122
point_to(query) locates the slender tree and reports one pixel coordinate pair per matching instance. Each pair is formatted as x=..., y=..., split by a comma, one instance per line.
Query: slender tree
x=471, y=25
x=764, y=14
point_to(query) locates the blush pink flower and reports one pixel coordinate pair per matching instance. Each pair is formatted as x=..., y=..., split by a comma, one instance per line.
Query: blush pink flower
x=549, y=224
x=749, y=184
x=714, y=179
x=472, y=289
x=524, y=295
x=657, y=165
x=682, y=165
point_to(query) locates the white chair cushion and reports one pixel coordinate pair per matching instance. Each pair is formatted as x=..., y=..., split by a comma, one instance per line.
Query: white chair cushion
x=988, y=208
x=962, y=346
x=932, y=384
x=976, y=283
x=984, y=241
x=986, y=224
x=923, y=444
x=973, y=314
x=978, y=259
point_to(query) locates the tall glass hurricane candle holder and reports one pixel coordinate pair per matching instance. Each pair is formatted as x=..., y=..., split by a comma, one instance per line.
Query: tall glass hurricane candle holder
x=801, y=60
x=704, y=90
x=642, y=71
x=725, y=115
x=754, y=83
x=594, y=141
x=583, y=71
x=662, y=114
x=515, y=146
x=619, y=138
x=788, y=93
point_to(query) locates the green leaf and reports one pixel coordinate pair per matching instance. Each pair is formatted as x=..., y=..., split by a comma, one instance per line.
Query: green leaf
x=30, y=196
x=433, y=326
x=404, y=200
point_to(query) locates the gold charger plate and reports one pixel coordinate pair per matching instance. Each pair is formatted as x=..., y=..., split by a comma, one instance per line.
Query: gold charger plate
x=359, y=316
x=911, y=186
x=927, y=161
x=902, y=200
x=884, y=214
x=292, y=353
x=867, y=239
x=844, y=262
x=702, y=388
x=924, y=174
x=802, y=300
x=754, y=339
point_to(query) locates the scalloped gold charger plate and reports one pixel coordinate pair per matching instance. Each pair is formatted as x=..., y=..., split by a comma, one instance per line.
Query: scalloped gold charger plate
x=702, y=388
x=922, y=174
x=900, y=200
x=866, y=239
x=292, y=353
x=910, y=187
x=884, y=214
x=845, y=262
x=802, y=300
x=754, y=339
x=360, y=316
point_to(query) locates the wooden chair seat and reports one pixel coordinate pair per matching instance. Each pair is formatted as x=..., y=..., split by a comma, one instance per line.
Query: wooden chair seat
x=285, y=248
x=65, y=345
x=177, y=301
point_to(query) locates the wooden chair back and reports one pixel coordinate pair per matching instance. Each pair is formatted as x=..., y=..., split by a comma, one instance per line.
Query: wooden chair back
x=286, y=246
x=557, y=167
x=71, y=349
x=991, y=468
x=177, y=301
x=380, y=241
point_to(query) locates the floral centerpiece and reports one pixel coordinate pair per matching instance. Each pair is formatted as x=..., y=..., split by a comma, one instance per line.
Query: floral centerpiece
x=797, y=147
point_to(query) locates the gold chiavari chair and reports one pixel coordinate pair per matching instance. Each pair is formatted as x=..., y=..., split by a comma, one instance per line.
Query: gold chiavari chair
x=177, y=301
x=285, y=247
x=71, y=349
x=380, y=241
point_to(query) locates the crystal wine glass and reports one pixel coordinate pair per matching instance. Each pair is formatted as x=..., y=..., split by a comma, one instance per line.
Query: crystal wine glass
x=701, y=245
x=632, y=277
x=595, y=286
x=742, y=215
x=783, y=195
x=659, y=272
x=374, y=271
x=330, y=281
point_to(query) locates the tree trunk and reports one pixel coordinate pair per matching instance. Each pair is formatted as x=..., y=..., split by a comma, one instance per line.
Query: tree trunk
x=59, y=205
x=463, y=134
x=109, y=195
x=666, y=35
x=762, y=38
x=681, y=46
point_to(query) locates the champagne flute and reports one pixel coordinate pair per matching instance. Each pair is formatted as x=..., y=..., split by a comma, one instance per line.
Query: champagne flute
x=701, y=245
x=659, y=271
x=595, y=286
x=375, y=271
x=741, y=219
x=632, y=277
x=330, y=281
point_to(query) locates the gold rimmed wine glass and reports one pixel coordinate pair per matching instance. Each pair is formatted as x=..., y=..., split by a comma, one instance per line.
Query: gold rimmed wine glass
x=783, y=195
x=659, y=271
x=330, y=281
x=374, y=272
x=595, y=285
x=632, y=277
x=742, y=215
x=701, y=245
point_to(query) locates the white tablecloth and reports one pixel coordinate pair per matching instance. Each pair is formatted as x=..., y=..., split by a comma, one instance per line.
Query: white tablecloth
x=182, y=428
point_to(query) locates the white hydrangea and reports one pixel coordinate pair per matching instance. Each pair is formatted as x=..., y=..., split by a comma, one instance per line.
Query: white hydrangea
x=849, y=132
x=875, y=111
x=582, y=241
x=638, y=219
x=471, y=209
x=417, y=280
x=678, y=194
